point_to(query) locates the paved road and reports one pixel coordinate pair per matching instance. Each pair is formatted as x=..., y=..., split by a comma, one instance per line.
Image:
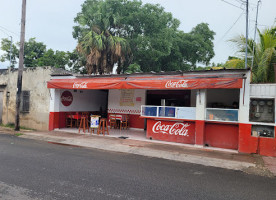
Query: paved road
x=32, y=169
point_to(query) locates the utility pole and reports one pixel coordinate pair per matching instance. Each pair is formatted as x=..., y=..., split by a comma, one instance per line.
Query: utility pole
x=20, y=66
x=253, y=53
x=246, y=47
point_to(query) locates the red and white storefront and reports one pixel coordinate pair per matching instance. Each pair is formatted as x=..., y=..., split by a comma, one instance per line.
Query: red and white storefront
x=207, y=108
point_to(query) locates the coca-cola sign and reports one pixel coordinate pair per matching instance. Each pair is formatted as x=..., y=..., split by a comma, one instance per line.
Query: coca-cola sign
x=175, y=129
x=177, y=84
x=66, y=98
x=80, y=85
x=171, y=131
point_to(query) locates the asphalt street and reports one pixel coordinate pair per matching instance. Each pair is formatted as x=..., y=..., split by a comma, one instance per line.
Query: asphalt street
x=31, y=169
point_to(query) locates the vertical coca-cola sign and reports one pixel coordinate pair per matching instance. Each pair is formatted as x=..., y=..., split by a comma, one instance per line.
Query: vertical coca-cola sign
x=66, y=98
x=172, y=131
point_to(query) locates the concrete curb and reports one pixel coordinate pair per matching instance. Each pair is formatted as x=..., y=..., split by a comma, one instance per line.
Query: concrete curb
x=145, y=151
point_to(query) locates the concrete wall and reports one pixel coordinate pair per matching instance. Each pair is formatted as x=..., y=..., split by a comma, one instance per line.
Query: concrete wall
x=83, y=100
x=114, y=102
x=35, y=81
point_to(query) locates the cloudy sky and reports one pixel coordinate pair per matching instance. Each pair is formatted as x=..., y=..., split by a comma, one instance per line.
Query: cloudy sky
x=51, y=21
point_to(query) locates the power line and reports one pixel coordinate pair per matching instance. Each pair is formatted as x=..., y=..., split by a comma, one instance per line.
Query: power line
x=2, y=27
x=230, y=28
x=4, y=32
x=232, y=4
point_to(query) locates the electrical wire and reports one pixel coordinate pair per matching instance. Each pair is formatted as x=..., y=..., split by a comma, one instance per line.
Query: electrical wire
x=232, y=4
x=3, y=28
x=230, y=28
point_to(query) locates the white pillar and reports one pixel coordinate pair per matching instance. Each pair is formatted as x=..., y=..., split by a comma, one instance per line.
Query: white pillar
x=54, y=100
x=201, y=100
x=244, y=100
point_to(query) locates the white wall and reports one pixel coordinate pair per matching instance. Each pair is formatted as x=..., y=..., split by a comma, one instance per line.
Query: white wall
x=114, y=102
x=88, y=100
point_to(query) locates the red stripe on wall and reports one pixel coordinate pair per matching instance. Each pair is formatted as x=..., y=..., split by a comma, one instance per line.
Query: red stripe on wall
x=222, y=135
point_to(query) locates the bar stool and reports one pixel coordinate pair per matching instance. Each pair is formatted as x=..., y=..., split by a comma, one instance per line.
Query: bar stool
x=84, y=124
x=103, y=126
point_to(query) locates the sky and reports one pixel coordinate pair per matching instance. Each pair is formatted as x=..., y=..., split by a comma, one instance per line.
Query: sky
x=51, y=21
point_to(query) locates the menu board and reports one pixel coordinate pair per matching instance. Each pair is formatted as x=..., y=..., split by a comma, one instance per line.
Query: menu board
x=126, y=98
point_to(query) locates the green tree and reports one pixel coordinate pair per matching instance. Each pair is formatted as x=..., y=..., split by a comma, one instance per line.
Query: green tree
x=155, y=42
x=33, y=50
x=35, y=54
x=264, y=55
x=133, y=68
x=6, y=47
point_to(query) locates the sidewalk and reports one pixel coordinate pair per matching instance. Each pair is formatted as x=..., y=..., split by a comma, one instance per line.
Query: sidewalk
x=249, y=163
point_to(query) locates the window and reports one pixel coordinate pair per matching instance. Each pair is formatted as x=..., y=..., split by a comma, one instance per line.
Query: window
x=25, y=101
x=262, y=110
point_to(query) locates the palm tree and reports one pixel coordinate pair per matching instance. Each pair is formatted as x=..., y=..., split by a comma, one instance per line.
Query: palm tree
x=264, y=55
x=103, y=50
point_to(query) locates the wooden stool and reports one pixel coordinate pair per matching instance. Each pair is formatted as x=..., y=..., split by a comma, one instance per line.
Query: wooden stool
x=84, y=124
x=102, y=126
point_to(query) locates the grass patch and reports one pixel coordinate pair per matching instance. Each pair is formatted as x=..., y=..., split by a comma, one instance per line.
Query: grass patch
x=11, y=125
x=18, y=134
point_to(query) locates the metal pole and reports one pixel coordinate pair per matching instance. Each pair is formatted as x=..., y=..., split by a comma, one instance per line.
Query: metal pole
x=253, y=53
x=20, y=66
x=246, y=34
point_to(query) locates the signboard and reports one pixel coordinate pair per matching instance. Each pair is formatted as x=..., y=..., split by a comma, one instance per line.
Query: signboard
x=94, y=122
x=171, y=131
x=66, y=98
x=127, y=98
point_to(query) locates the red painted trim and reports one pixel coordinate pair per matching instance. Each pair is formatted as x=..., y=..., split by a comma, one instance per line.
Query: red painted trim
x=247, y=143
x=53, y=120
x=199, y=132
x=222, y=135
x=134, y=120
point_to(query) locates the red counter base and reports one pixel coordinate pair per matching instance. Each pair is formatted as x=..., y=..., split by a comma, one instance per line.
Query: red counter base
x=259, y=145
x=171, y=131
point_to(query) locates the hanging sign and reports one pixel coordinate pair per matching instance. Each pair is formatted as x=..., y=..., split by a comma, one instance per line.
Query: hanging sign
x=66, y=98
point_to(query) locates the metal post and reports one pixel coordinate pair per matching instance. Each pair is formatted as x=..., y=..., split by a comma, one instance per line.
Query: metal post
x=20, y=66
x=246, y=47
x=253, y=53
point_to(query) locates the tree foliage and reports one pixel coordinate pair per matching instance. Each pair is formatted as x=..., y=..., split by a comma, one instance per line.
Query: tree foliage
x=264, y=55
x=145, y=34
x=35, y=54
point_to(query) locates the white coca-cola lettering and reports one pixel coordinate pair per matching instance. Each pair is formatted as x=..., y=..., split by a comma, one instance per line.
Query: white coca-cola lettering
x=80, y=85
x=175, y=129
x=177, y=84
x=69, y=98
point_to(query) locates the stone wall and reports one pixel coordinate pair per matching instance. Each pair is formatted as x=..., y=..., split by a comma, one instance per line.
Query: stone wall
x=35, y=81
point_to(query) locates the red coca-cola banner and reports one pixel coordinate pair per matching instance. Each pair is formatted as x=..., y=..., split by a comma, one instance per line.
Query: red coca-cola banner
x=156, y=82
x=171, y=131
x=66, y=98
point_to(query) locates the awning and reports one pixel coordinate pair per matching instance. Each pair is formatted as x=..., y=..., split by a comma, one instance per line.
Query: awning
x=149, y=82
